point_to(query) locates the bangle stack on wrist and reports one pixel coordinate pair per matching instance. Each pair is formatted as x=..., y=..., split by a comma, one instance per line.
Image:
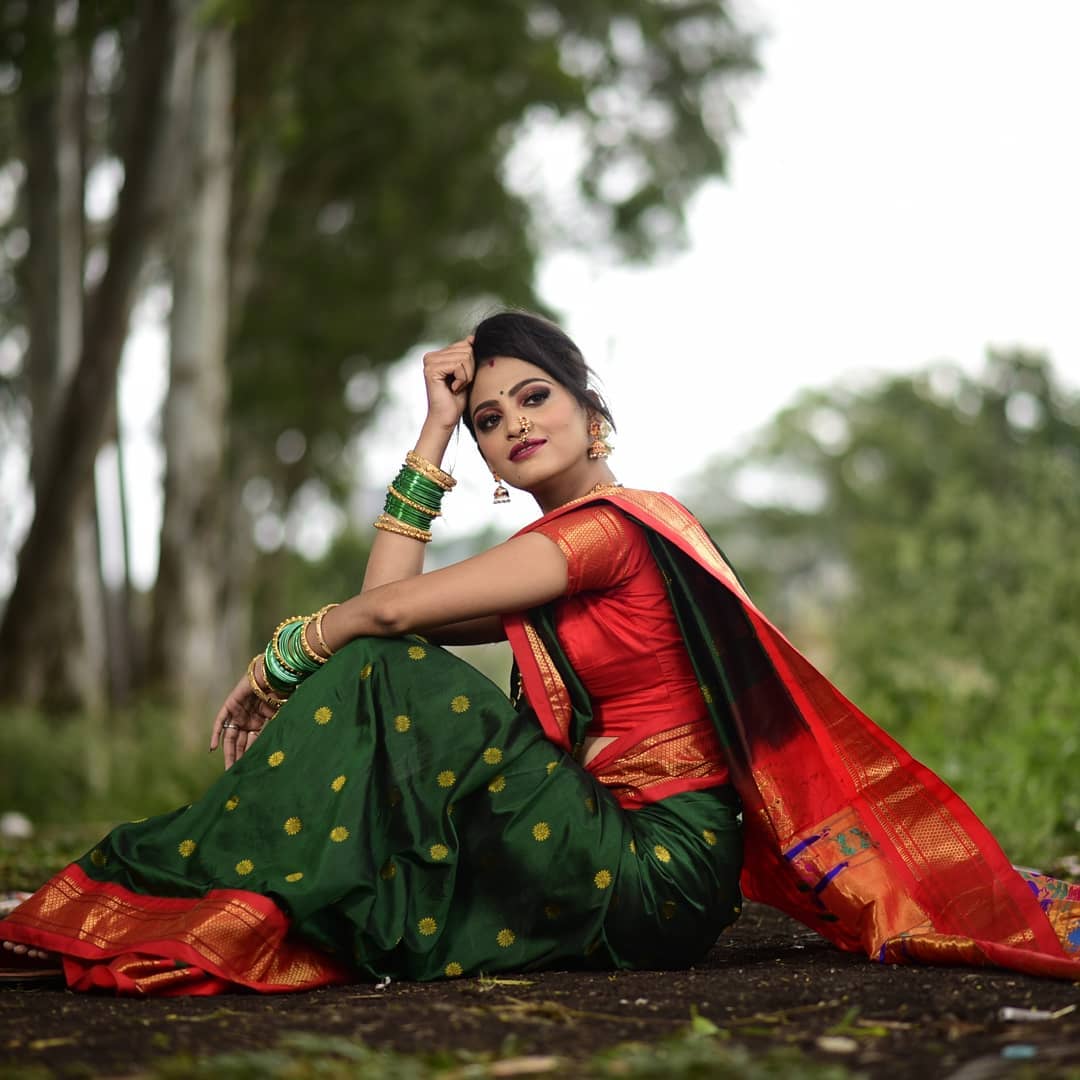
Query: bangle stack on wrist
x=289, y=657
x=414, y=499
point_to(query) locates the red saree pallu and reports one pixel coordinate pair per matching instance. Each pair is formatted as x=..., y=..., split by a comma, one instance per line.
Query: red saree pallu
x=843, y=829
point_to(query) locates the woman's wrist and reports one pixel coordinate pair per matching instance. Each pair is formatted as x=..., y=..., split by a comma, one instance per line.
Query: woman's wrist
x=433, y=440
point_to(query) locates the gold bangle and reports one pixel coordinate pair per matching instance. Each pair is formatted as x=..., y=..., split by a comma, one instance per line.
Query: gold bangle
x=425, y=510
x=306, y=645
x=390, y=524
x=270, y=699
x=318, y=617
x=277, y=651
x=430, y=470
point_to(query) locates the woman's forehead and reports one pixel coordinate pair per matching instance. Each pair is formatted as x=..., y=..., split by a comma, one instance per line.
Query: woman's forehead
x=496, y=375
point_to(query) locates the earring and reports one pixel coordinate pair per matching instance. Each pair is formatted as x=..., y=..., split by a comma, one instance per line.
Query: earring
x=501, y=494
x=598, y=432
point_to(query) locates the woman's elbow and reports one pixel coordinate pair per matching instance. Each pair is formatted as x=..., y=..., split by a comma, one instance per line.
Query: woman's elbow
x=389, y=614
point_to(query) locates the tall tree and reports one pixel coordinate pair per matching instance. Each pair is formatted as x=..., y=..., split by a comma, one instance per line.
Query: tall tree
x=158, y=84
x=188, y=594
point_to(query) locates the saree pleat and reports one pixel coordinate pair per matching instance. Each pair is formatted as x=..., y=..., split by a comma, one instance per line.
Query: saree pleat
x=397, y=818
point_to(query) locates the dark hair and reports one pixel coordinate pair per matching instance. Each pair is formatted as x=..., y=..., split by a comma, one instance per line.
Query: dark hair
x=533, y=339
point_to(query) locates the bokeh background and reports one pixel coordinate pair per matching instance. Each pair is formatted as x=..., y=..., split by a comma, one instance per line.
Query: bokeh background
x=821, y=255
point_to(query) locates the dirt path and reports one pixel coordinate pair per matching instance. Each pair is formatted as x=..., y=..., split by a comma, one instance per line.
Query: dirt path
x=769, y=982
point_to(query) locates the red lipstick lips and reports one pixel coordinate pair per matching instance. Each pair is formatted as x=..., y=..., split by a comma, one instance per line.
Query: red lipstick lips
x=526, y=449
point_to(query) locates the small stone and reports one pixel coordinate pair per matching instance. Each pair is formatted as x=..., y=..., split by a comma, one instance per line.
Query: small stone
x=837, y=1044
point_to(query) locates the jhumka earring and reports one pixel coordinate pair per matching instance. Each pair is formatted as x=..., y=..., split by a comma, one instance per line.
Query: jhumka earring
x=598, y=432
x=501, y=494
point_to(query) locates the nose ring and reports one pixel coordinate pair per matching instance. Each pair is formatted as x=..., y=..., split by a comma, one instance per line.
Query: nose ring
x=524, y=427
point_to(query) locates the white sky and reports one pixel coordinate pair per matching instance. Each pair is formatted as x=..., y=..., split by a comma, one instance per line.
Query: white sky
x=904, y=189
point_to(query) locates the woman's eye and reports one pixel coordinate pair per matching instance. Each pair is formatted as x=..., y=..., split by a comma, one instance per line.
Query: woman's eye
x=486, y=423
x=536, y=397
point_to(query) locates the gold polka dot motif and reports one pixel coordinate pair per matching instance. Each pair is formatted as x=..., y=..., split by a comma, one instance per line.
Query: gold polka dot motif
x=388, y=871
x=551, y=767
x=293, y=825
x=710, y=837
x=402, y=724
x=244, y=867
x=602, y=879
x=662, y=853
x=453, y=969
x=541, y=831
x=492, y=755
x=292, y=878
x=97, y=857
x=447, y=778
x=232, y=802
x=365, y=672
x=186, y=848
x=427, y=926
x=337, y=783
x=324, y=714
x=438, y=852
x=460, y=704
x=497, y=785
x=417, y=652
x=339, y=834
x=275, y=759
x=505, y=938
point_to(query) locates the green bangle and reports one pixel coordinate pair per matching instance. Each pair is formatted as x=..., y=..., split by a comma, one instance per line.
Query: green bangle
x=416, y=486
x=403, y=512
x=278, y=678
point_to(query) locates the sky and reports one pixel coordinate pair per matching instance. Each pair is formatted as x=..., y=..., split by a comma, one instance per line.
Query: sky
x=902, y=191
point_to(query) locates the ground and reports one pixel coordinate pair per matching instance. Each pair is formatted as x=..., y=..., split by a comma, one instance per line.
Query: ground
x=768, y=983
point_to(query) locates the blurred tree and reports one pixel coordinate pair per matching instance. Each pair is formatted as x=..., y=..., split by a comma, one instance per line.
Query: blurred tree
x=918, y=536
x=370, y=209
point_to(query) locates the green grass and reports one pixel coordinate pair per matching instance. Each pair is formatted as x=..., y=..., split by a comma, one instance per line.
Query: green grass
x=301, y=1056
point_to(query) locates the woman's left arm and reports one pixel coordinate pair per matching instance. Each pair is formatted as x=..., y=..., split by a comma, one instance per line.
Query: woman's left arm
x=522, y=573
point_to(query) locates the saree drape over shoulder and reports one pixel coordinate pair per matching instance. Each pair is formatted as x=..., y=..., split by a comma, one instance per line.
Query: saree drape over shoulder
x=843, y=829
x=400, y=817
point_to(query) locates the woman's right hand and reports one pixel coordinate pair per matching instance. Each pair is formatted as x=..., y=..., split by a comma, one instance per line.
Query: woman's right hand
x=447, y=375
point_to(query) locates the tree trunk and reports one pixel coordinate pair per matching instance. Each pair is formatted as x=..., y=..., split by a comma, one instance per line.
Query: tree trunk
x=51, y=122
x=65, y=464
x=189, y=655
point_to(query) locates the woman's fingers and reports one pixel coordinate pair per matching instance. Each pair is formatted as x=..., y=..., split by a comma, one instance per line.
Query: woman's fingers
x=447, y=373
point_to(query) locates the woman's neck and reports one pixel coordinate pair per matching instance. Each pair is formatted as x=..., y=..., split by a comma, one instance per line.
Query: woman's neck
x=567, y=488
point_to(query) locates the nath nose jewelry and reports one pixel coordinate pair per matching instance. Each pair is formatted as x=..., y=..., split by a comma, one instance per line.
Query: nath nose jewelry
x=524, y=427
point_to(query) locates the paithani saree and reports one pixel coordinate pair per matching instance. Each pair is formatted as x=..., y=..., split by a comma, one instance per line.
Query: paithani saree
x=842, y=828
x=401, y=818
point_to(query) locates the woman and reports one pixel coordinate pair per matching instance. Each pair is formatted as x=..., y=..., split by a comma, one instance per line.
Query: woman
x=399, y=817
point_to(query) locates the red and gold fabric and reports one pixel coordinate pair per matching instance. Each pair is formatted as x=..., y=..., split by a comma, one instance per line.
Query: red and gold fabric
x=843, y=829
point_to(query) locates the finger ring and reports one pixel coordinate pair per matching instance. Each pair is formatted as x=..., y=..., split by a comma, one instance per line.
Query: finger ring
x=227, y=724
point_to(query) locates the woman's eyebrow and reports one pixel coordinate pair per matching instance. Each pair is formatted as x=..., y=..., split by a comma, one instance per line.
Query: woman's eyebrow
x=512, y=391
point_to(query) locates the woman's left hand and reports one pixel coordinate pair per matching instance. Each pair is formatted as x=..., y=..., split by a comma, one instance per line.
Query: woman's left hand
x=239, y=721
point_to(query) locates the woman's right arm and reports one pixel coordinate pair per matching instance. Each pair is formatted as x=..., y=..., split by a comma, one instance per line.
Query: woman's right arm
x=447, y=374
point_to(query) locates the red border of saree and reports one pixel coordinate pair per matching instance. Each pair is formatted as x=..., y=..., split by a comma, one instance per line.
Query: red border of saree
x=113, y=938
x=843, y=828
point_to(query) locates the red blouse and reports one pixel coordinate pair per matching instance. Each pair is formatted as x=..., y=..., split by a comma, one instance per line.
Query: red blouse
x=618, y=630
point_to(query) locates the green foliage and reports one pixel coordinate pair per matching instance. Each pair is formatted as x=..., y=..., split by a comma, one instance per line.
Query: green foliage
x=389, y=127
x=59, y=770
x=922, y=551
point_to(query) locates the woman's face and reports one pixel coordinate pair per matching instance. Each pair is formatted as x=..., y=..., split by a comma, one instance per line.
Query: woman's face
x=504, y=390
